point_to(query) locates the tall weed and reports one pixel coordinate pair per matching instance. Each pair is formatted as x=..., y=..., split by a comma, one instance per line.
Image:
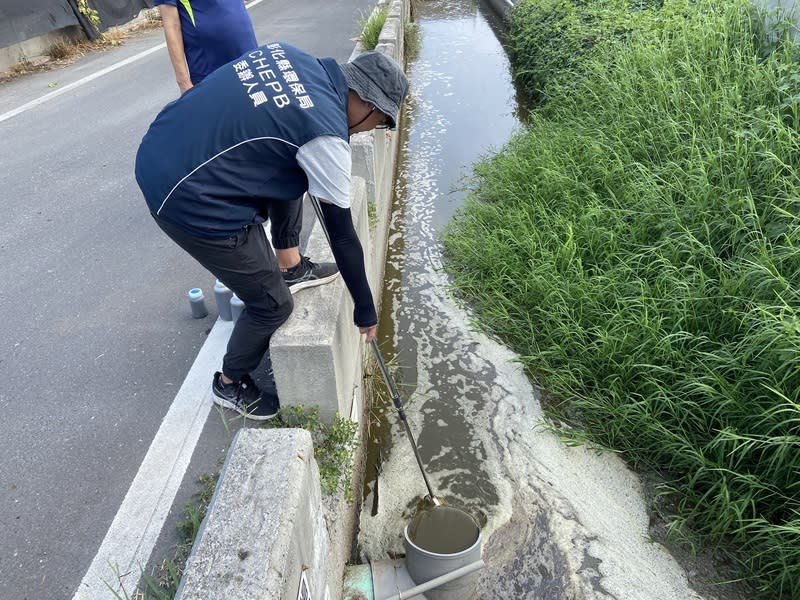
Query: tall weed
x=556, y=40
x=639, y=245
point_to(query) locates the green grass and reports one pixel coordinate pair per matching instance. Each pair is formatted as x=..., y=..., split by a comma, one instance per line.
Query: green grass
x=553, y=39
x=639, y=246
x=334, y=444
x=411, y=40
x=371, y=25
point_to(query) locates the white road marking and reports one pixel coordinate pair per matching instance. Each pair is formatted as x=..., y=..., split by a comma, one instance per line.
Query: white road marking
x=129, y=541
x=54, y=94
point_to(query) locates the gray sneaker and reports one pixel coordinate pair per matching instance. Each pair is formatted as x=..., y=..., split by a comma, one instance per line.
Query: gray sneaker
x=308, y=274
x=245, y=398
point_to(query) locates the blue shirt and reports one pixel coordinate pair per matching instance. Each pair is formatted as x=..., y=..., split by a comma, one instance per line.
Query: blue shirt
x=214, y=33
x=211, y=157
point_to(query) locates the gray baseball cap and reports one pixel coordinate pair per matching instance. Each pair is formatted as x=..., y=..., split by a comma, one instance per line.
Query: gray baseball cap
x=378, y=79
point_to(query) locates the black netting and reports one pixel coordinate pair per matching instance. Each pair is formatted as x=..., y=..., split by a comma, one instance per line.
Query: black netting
x=22, y=20
x=117, y=12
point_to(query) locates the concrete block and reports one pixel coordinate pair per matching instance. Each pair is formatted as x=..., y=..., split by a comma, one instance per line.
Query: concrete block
x=316, y=353
x=390, y=37
x=367, y=165
x=265, y=532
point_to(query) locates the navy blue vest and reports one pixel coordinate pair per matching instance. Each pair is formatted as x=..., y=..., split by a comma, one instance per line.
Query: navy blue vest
x=212, y=156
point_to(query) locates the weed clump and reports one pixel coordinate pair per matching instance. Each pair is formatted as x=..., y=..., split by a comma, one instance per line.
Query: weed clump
x=334, y=444
x=551, y=40
x=61, y=50
x=371, y=25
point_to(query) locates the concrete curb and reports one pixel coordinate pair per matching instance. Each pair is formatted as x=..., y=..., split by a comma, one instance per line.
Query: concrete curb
x=315, y=354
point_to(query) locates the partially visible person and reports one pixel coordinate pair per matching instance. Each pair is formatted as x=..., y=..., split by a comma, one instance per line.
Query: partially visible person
x=266, y=128
x=203, y=35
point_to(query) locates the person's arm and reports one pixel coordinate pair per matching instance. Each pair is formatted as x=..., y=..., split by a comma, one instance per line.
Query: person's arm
x=349, y=257
x=172, y=32
x=327, y=163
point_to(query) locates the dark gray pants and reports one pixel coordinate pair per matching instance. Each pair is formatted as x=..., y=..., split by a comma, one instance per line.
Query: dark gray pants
x=246, y=264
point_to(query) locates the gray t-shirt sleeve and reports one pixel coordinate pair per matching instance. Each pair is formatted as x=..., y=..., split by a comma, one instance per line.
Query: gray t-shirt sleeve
x=327, y=163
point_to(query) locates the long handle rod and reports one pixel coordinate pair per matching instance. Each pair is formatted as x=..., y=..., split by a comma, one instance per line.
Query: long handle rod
x=318, y=211
x=386, y=375
x=401, y=411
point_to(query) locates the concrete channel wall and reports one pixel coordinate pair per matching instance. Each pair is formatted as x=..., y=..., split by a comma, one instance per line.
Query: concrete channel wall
x=269, y=534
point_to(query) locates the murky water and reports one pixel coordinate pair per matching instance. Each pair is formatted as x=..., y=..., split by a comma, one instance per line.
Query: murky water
x=557, y=522
x=462, y=105
x=443, y=530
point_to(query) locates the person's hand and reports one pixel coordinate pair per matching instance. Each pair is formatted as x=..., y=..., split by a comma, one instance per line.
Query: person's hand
x=184, y=85
x=370, y=332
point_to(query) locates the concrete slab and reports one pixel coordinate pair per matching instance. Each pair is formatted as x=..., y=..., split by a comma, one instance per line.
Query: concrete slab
x=264, y=537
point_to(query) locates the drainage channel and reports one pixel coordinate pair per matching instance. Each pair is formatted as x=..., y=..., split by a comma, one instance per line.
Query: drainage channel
x=557, y=522
x=461, y=105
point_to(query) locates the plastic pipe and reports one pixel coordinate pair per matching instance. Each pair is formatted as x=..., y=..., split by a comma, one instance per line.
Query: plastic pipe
x=437, y=581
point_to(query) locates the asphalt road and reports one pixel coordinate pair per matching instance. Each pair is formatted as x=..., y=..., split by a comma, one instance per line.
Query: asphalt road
x=95, y=328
